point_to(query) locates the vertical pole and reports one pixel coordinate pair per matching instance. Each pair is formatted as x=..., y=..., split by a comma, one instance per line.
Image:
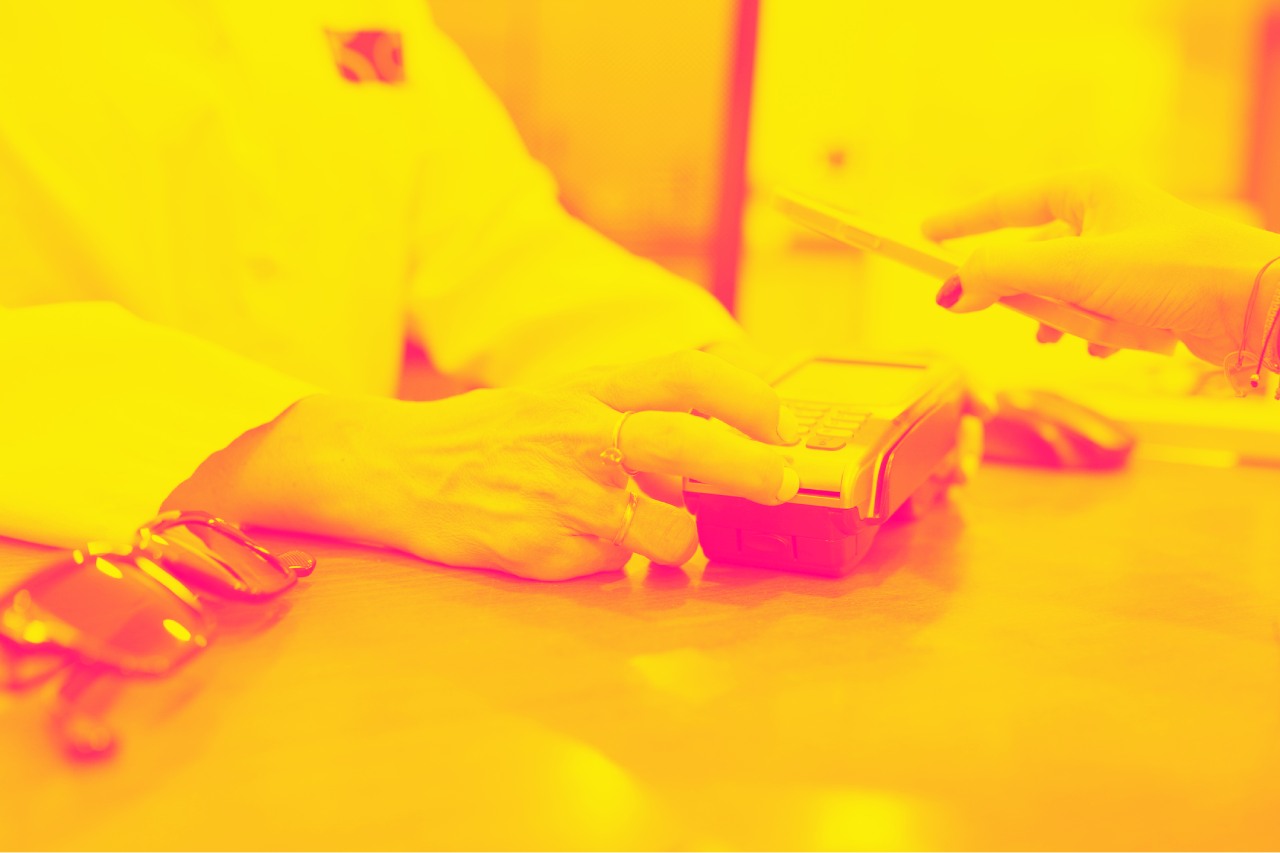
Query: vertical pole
x=727, y=240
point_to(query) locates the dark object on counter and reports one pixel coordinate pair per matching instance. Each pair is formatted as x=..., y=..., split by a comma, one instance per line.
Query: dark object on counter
x=1047, y=430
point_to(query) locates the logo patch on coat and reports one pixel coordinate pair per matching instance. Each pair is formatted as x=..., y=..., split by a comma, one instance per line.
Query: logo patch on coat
x=368, y=56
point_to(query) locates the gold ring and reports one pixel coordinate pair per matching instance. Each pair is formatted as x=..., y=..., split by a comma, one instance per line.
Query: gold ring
x=628, y=516
x=613, y=454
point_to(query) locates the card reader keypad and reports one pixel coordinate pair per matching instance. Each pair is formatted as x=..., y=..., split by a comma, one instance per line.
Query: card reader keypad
x=824, y=426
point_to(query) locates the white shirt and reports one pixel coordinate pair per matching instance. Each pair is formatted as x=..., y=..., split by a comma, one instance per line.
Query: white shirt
x=202, y=220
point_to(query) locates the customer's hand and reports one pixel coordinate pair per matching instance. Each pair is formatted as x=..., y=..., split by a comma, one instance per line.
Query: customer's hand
x=1124, y=250
x=510, y=478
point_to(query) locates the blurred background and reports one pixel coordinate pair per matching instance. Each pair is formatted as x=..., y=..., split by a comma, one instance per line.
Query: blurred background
x=668, y=123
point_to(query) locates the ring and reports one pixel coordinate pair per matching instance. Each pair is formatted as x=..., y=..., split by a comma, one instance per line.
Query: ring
x=628, y=516
x=613, y=454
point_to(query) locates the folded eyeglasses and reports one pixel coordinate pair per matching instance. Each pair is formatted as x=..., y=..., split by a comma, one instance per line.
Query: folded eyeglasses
x=139, y=610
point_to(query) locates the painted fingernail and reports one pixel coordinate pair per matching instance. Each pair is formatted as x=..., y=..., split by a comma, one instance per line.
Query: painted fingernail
x=790, y=485
x=788, y=429
x=950, y=293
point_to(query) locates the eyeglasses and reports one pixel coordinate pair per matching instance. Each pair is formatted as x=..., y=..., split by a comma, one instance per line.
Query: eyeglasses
x=135, y=611
x=122, y=610
x=216, y=555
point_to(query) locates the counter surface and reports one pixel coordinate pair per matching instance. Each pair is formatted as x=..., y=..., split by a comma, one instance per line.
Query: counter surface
x=1055, y=660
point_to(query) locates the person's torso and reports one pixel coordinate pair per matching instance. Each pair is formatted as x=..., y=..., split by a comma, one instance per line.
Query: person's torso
x=209, y=165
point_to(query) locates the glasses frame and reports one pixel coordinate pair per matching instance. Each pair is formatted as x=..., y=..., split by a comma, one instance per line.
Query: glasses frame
x=158, y=561
x=291, y=564
x=17, y=646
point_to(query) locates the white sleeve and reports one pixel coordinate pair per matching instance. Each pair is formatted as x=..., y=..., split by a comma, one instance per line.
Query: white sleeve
x=102, y=415
x=506, y=285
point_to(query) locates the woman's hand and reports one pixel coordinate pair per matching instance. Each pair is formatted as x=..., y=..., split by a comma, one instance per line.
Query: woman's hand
x=513, y=478
x=1120, y=249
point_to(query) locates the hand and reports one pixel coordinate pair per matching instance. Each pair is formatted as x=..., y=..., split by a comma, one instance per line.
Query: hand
x=1120, y=249
x=742, y=353
x=512, y=478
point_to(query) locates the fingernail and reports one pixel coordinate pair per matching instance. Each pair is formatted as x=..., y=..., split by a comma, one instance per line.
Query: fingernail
x=788, y=429
x=950, y=293
x=1048, y=335
x=790, y=485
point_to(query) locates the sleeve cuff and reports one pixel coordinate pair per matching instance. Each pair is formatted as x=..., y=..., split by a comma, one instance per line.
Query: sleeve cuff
x=106, y=414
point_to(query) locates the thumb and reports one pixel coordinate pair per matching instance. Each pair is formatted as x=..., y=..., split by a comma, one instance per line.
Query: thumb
x=1047, y=268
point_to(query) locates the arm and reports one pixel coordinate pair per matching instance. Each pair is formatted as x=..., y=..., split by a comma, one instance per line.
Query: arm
x=510, y=478
x=104, y=414
x=505, y=288
x=1120, y=249
x=506, y=285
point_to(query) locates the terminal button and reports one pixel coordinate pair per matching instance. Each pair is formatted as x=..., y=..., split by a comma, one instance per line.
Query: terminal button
x=771, y=544
x=822, y=442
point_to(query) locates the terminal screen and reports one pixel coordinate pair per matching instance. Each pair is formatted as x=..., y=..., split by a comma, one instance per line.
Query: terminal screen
x=854, y=382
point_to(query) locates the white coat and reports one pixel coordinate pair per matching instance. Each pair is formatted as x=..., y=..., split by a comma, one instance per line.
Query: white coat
x=203, y=219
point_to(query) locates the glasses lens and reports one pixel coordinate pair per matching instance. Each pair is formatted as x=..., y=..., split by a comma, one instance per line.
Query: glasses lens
x=207, y=557
x=121, y=611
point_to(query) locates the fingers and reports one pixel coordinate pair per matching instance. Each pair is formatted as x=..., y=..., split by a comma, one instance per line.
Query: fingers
x=681, y=444
x=573, y=557
x=638, y=523
x=1048, y=334
x=1047, y=268
x=663, y=533
x=691, y=380
x=667, y=488
x=1061, y=198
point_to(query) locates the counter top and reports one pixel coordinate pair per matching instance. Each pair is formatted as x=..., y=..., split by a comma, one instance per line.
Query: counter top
x=1054, y=660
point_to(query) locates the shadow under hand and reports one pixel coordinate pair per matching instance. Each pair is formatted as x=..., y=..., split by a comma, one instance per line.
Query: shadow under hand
x=913, y=553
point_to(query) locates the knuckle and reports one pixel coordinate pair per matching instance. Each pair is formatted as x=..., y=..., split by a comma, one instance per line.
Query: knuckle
x=582, y=508
x=599, y=382
x=768, y=477
x=685, y=372
x=978, y=271
x=665, y=439
x=591, y=376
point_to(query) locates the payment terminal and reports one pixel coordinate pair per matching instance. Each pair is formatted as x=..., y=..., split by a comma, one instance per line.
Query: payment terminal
x=875, y=435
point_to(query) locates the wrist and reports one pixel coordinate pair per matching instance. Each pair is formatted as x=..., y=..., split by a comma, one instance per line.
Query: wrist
x=270, y=475
x=1245, y=292
x=1255, y=305
x=370, y=469
x=1261, y=336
